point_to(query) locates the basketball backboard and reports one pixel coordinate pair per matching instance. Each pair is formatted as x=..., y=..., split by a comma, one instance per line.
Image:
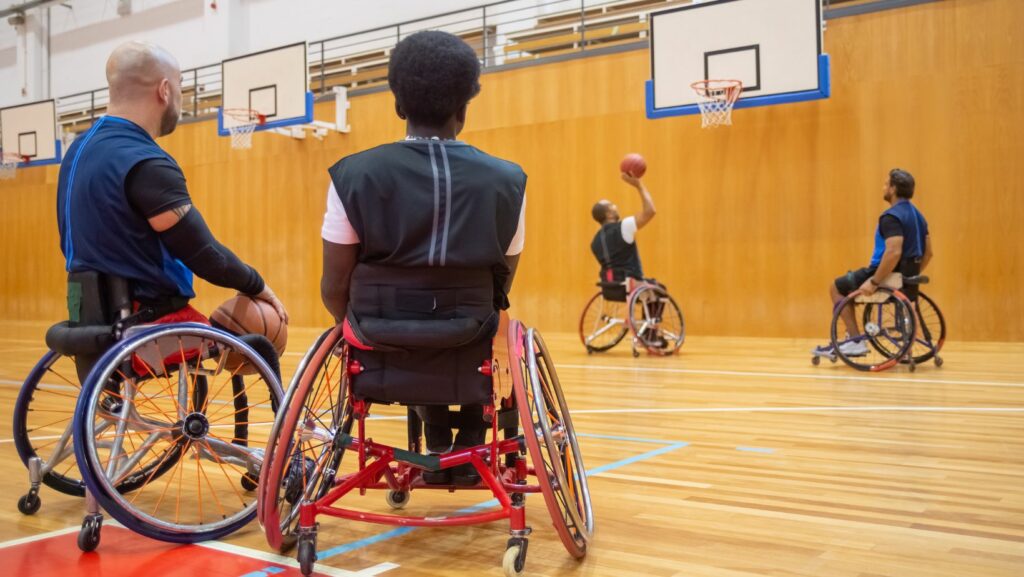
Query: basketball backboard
x=273, y=83
x=773, y=47
x=30, y=131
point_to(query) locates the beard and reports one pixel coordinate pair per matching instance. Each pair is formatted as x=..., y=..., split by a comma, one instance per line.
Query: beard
x=169, y=121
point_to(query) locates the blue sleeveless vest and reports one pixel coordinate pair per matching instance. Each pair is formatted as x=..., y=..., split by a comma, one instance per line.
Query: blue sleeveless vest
x=99, y=230
x=915, y=229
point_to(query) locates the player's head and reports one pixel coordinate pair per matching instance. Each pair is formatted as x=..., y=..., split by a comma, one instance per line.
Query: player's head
x=146, y=79
x=604, y=211
x=433, y=76
x=899, y=184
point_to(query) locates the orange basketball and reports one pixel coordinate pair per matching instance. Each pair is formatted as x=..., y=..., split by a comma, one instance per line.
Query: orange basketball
x=243, y=315
x=634, y=165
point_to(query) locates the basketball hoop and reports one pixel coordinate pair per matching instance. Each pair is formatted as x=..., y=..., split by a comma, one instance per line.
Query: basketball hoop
x=716, y=100
x=9, y=165
x=247, y=121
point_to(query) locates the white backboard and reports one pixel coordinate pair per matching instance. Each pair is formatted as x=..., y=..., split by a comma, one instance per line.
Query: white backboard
x=273, y=82
x=773, y=46
x=30, y=130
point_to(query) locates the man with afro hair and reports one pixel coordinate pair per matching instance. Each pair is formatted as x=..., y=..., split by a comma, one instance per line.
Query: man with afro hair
x=418, y=217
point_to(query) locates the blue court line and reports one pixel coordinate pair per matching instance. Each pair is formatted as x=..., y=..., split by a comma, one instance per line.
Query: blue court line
x=264, y=572
x=399, y=531
x=765, y=450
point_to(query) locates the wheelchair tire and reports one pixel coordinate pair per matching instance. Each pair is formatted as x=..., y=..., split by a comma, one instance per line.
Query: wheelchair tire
x=167, y=420
x=931, y=330
x=888, y=329
x=62, y=396
x=558, y=463
x=293, y=475
x=669, y=330
x=599, y=317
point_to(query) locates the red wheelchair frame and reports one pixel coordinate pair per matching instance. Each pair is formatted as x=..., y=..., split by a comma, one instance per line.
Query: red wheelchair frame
x=534, y=400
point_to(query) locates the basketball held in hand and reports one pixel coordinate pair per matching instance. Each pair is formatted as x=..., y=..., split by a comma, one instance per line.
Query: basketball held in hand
x=634, y=165
x=244, y=315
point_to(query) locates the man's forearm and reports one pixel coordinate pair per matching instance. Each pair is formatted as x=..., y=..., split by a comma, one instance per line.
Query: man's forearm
x=889, y=261
x=335, y=299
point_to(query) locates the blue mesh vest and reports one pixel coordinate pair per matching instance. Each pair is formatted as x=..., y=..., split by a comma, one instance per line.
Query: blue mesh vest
x=99, y=230
x=915, y=229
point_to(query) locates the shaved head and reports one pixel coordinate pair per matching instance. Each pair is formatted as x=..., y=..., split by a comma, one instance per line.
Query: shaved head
x=145, y=77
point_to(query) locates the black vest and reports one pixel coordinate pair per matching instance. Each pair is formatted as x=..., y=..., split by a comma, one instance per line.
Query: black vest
x=619, y=259
x=434, y=219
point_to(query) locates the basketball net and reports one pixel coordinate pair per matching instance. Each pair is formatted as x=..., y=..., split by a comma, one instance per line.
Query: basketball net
x=9, y=166
x=716, y=100
x=247, y=121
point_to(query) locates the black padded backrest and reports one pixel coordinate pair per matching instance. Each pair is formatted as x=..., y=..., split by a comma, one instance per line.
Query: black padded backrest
x=421, y=293
x=613, y=291
x=96, y=299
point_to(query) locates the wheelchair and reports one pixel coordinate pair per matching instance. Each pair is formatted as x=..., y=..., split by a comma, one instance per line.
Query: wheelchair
x=641, y=307
x=343, y=376
x=157, y=422
x=896, y=329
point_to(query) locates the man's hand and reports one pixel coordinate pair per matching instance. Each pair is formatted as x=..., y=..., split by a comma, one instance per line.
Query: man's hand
x=631, y=180
x=868, y=288
x=268, y=296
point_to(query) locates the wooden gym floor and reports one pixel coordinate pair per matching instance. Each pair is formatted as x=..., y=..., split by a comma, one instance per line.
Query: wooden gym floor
x=737, y=458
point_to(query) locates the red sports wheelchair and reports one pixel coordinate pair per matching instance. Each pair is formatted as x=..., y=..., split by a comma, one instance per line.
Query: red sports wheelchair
x=301, y=481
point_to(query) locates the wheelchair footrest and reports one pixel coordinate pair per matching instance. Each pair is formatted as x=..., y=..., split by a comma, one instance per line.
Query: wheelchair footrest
x=426, y=462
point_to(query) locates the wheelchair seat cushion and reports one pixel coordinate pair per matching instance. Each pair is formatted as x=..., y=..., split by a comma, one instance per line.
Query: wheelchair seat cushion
x=74, y=341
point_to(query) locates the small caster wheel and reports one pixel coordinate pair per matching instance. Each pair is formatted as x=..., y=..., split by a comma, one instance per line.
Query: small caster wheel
x=29, y=503
x=815, y=360
x=938, y=361
x=912, y=365
x=307, y=555
x=249, y=482
x=89, y=536
x=590, y=351
x=514, y=560
x=397, y=499
x=636, y=353
x=833, y=359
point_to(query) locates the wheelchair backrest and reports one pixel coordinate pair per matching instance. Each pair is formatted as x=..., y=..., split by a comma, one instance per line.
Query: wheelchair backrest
x=420, y=335
x=96, y=299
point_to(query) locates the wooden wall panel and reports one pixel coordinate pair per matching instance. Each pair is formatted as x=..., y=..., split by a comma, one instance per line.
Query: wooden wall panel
x=753, y=221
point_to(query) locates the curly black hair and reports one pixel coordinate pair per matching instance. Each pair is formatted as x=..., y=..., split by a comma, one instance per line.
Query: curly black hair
x=433, y=74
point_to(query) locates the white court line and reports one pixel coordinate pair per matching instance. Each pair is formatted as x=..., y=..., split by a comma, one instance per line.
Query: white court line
x=805, y=410
x=652, y=480
x=39, y=537
x=789, y=375
x=291, y=562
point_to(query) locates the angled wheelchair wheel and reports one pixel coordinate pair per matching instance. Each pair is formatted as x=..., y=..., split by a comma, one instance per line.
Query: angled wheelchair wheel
x=302, y=458
x=656, y=320
x=168, y=435
x=602, y=324
x=551, y=440
x=886, y=330
x=931, y=330
x=43, y=414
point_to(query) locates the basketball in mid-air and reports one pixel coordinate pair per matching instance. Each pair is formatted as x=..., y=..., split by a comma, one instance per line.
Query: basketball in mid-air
x=634, y=165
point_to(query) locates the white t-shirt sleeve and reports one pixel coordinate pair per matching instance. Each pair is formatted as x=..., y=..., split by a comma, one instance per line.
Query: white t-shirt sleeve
x=519, y=240
x=337, y=228
x=629, y=229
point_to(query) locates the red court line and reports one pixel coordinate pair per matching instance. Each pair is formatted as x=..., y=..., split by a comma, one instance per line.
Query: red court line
x=122, y=553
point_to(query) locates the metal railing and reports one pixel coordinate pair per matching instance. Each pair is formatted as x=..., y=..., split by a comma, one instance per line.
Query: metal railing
x=502, y=33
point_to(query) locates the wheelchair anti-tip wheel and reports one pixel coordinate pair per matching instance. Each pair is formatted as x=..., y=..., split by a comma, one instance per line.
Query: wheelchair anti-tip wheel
x=885, y=333
x=551, y=442
x=166, y=414
x=656, y=320
x=602, y=324
x=303, y=457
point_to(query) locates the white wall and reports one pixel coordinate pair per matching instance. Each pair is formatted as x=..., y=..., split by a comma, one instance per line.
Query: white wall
x=83, y=35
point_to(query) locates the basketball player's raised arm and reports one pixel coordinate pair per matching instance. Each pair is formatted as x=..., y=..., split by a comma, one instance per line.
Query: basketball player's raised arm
x=156, y=189
x=647, y=210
